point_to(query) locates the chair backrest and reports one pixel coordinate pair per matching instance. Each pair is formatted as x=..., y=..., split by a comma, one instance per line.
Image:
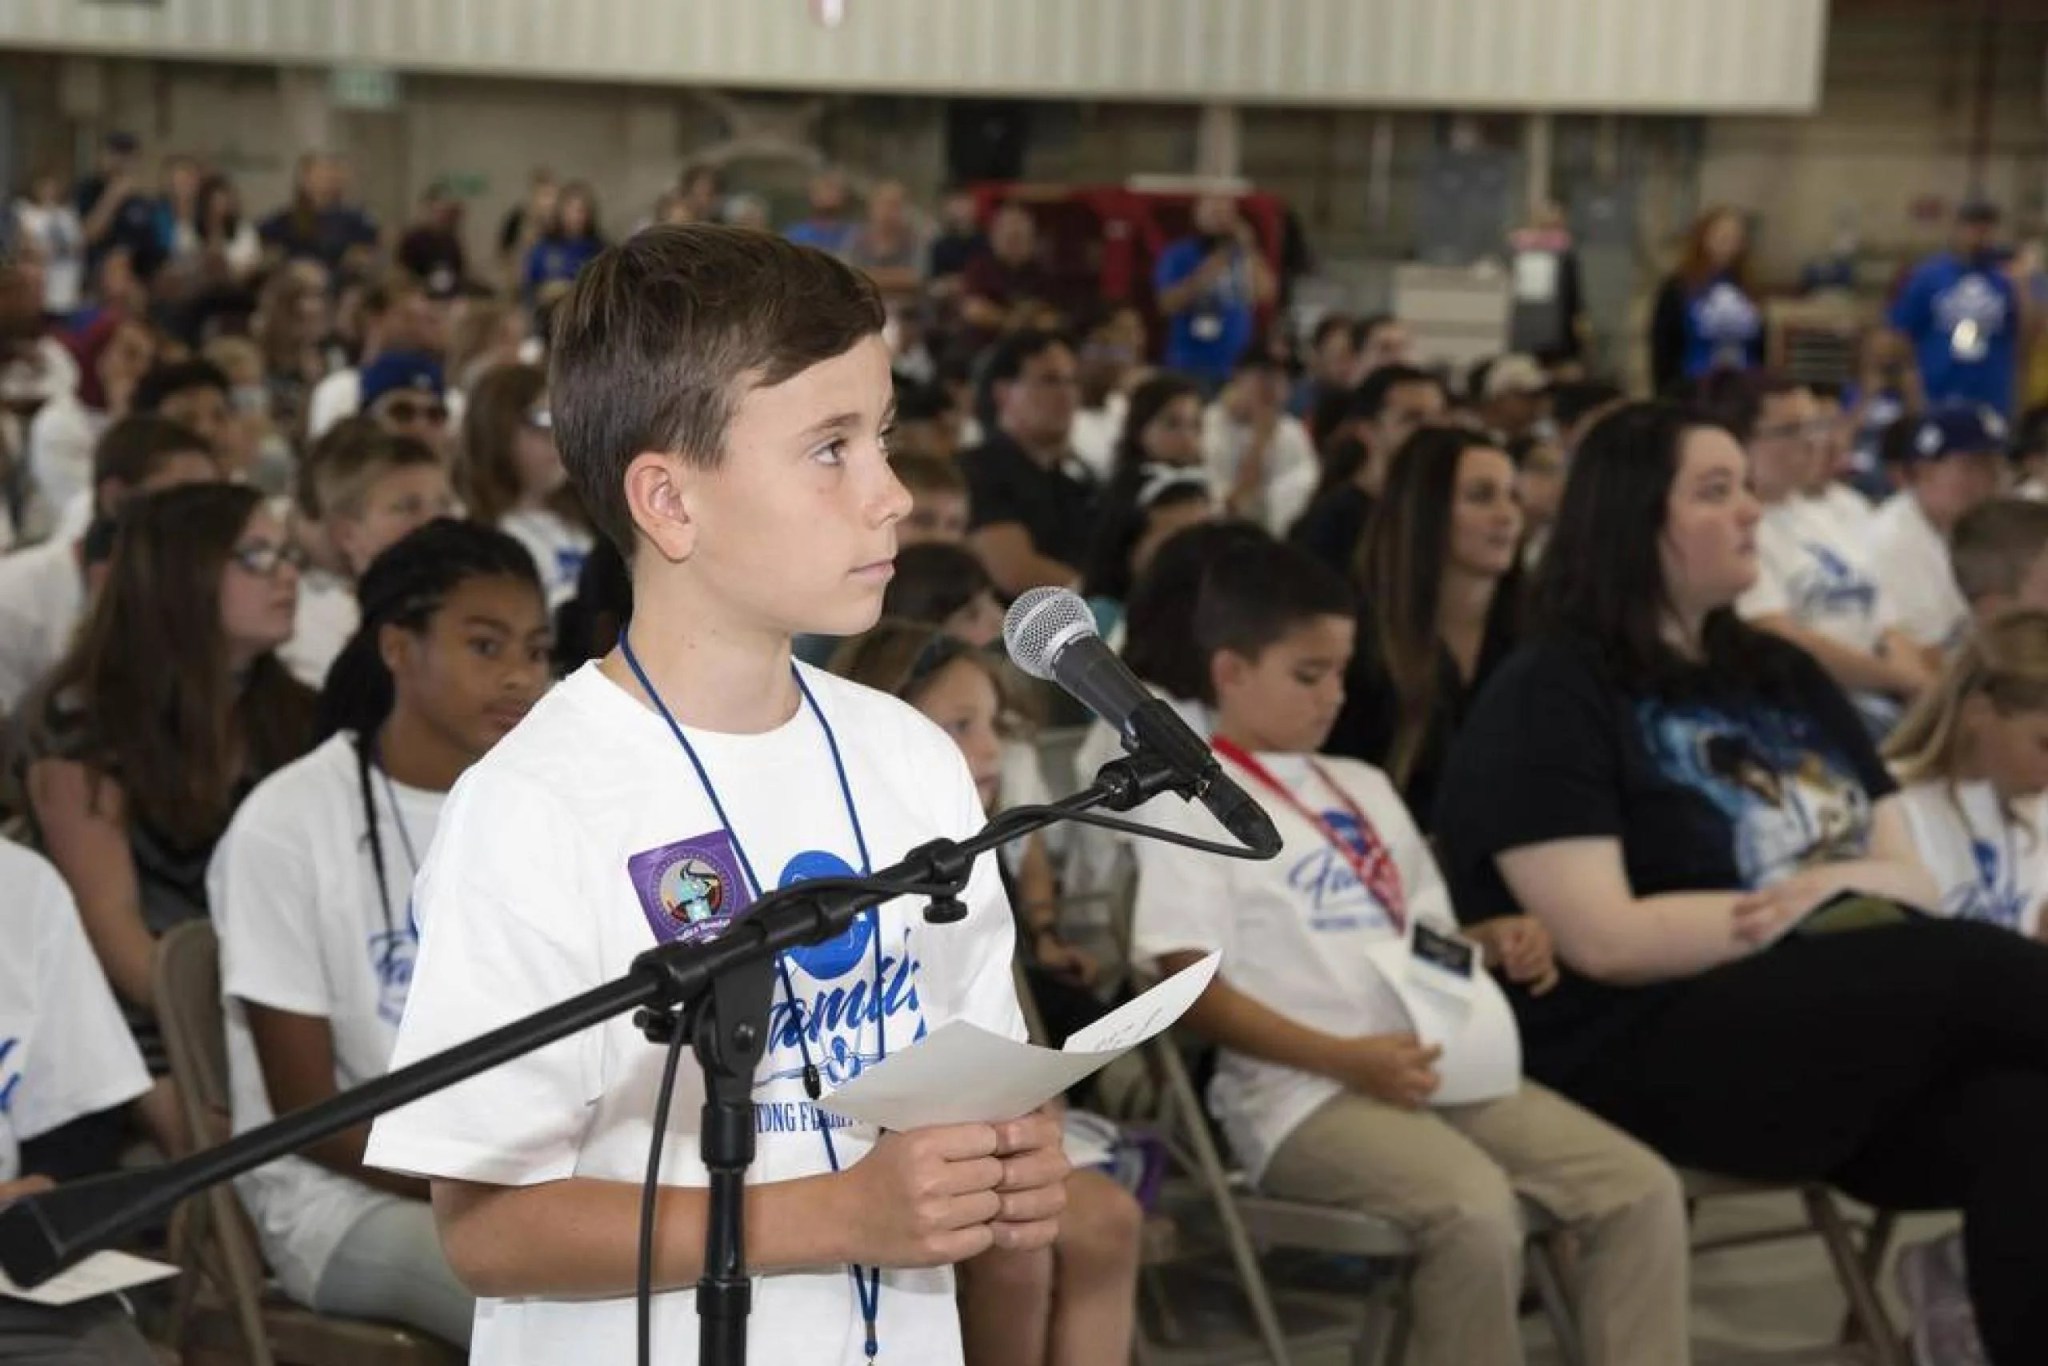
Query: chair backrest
x=220, y=1247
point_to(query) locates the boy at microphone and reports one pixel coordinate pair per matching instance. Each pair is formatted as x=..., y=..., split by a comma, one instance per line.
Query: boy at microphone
x=722, y=400
x=1323, y=1087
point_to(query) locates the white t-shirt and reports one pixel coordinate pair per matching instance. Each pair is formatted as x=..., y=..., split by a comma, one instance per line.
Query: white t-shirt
x=336, y=397
x=1293, y=931
x=60, y=238
x=1987, y=867
x=1290, y=464
x=1095, y=434
x=1911, y=560
x=295, y=900
x=559, y=853
x=327, y=616
x=1812, y=569
x=558, y=548
x=1850, y=510
x=42, y=602
x=61, y=438
x=65, y=1051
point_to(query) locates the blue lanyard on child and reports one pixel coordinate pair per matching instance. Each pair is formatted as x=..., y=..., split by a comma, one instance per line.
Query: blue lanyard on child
x=867, y=1281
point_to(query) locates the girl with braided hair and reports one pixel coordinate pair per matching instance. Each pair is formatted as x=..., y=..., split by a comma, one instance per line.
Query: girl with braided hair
x=311, y=892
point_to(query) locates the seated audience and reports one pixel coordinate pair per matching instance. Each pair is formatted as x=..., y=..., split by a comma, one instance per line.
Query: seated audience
x=113, y=355
x=131, y=773
x=311, y=893
x=1827, y=485
x=1005, y=289
x=1440, y=600
x=403, y=393
x=1953, y=459
x=1322, y=1086
x=66, y=1055
x=570, y=240
x=1515, y=397
x=510, y=476
x=1259, y=457
x=1332, y=359
x=1999, y=555
x=1032, y=508
x=927, y=423
x=1157, y=486
x=943, y=585
x=1075, y=1302
x=44, y=590
x=1540, y=464
x=368, y=489
x=1386, y=409
x=1671, y=792
x=938, y=500
x=395, y=317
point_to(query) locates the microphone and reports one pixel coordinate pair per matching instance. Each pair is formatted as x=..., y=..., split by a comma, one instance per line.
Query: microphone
x=1050, y=634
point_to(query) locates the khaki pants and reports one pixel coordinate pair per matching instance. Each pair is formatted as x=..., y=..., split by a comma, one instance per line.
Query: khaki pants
x=1451, y=1177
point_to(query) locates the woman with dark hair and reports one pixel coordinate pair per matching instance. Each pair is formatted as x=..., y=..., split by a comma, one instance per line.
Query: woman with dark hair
x=1157, y=485
x=1689, y=804
x=170, y=706
x=113, y=355
x=311, y=891
x=228, y=239
x=1438, y=590
x=1706, y=317
x=946, y=586
x=570, y=240
x=510, y=475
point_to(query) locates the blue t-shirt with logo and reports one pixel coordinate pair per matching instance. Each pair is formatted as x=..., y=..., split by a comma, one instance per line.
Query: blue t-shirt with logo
x=1209, y=337
x=1963, y=317
x=1724, y=329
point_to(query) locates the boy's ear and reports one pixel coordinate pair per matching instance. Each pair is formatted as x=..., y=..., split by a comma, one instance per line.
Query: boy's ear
x=659, y=488
x=1227, y=671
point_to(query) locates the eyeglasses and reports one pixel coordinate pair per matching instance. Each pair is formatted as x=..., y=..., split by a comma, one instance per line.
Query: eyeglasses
x=405, y=412
x=263, y=559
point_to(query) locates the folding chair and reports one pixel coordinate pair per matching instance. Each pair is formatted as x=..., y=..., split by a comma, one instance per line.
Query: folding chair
x=1251, y=1220
x=1856, y=1265
x=223, y=1303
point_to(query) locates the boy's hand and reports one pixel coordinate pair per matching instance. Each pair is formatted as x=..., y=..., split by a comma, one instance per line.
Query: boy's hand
x=1034, y=1186
x=1390, y=1067
x=926, y=1198
x=11, y=1191
x=1520, y=947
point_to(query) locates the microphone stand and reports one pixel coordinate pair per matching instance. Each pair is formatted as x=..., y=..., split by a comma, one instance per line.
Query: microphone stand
x=717, y=990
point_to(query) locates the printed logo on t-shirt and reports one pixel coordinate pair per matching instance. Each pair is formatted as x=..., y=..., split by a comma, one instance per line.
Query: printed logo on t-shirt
x=10, y=1072
x=1724, y=317
x=845, y=1018
x=1788, y=796
x=1995, y=897
x=691, y=890
x=1970, y=312
x=569, y=562
x=1833, y=587
x=1329, y=886
x=392, y=954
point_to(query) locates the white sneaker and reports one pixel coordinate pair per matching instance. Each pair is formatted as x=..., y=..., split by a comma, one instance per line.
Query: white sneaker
x=1931, y=1277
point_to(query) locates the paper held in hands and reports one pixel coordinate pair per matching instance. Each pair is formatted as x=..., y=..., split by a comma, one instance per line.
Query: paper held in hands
x=103, y=1273
x=1468, y=1016
x=963, y=1074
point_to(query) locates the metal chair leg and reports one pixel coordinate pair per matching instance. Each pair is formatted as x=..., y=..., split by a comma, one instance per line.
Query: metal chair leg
x=1546, y=1270
x=1864, y=1305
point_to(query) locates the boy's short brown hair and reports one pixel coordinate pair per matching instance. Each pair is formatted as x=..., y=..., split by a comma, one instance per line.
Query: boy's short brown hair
x=660, y=337
x=1995, y=544
x=347, y=461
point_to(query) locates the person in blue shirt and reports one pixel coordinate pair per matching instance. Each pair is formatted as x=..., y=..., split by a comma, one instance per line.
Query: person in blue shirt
x=828, y=228
x=1706, y=318
x=1210, y=286
x=1964, y=316
x=567, y=245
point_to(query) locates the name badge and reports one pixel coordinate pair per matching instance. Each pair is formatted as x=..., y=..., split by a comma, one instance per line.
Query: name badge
x=690, y=891
x=1967, y=341
x=1207, y=327
x=1444, y=963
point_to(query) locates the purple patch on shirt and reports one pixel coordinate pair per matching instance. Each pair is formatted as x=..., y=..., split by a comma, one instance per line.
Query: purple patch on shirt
x=691, y=891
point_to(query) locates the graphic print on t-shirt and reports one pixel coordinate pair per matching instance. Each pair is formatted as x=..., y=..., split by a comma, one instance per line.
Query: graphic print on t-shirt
x=392, y=954
x=1330, y=889
x=690, y=891
x=1996, y=897
x=10, y=1073
x=1725, y=322
x=1970, y=313
x=1831, y=587
x=1789, y=797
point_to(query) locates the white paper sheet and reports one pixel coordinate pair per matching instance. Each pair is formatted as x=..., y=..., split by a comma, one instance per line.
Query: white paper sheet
x=1482, y=1057
x=103, y=1273
x=962, y=1074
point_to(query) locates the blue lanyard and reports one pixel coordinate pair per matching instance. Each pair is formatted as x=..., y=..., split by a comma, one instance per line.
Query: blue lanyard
x=867, y=1281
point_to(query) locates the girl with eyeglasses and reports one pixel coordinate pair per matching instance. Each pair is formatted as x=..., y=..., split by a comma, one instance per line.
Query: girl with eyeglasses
x=312, y=895
x=1071, y=1304
x=168, y=709
x=511, y=477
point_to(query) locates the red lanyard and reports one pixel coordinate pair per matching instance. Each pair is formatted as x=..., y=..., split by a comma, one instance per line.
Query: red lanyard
x=1373, y=864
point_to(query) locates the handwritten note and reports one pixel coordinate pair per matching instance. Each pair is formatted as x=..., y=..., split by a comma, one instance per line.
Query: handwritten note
x=963, y=1074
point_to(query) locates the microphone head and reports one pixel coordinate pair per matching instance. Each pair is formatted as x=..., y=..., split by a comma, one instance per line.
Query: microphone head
x=1041, y=623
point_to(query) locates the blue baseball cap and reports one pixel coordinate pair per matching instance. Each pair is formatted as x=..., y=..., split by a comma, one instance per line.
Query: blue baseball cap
x=396, y=370
x=1958, y=428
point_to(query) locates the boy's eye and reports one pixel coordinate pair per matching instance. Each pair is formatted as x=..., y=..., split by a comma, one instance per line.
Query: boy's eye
x=831, y=453
x=485, y=646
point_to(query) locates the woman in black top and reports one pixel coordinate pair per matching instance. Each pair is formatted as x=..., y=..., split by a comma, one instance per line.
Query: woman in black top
x=1157, y=486
x=1669, y=791
x=1438, y=585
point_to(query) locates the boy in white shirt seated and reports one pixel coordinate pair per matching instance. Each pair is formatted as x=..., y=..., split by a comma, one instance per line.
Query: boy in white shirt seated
x=1999, y=553
x=367, y=489
x=720, y=401
x=65, y=1053
x=1954, y=461
x=1322, y=1086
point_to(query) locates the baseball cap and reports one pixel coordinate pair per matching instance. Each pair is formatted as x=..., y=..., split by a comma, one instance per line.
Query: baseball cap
x=1958, y=428
x=1515, y=373
x=396, y=370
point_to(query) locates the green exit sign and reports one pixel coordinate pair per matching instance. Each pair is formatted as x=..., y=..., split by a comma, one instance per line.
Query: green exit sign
x=363, y=87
